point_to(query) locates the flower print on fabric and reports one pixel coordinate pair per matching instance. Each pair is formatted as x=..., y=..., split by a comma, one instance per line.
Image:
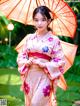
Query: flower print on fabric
x=53, y=52
x=24, y=55
x=61, y=69
x=50, y=39
x=45, y=49
x=26, y=88
x=47, y=90
x=58, y=42
x=56, y=59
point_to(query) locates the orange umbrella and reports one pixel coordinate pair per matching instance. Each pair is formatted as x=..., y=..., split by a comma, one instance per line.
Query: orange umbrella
x=64, y=23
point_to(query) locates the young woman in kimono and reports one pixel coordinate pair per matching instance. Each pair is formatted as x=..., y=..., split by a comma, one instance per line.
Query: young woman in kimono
x=41, y=62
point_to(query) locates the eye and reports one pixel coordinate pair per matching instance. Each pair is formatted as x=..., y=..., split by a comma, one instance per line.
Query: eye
x=36, y=20
x=44, y=19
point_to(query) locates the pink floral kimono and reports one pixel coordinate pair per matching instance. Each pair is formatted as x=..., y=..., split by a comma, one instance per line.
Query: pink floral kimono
x=40, y=77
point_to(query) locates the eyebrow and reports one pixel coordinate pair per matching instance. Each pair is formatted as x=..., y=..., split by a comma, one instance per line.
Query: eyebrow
x=42, y=18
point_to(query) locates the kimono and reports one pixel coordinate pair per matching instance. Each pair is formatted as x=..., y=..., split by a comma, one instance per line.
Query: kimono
x=41, y=63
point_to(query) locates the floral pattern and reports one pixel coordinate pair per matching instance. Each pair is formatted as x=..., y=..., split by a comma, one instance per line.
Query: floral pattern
x=56, y=59
x=53, y=52
x=45, y=49
x=47, y=90
x=53, y=68
x=50, y=39
x=26, y=87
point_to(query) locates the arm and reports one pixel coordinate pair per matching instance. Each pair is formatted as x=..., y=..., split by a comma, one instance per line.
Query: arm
x=22, y=60
x=56, y=66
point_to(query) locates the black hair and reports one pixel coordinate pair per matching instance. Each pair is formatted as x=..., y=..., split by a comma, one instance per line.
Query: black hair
x=45, y=11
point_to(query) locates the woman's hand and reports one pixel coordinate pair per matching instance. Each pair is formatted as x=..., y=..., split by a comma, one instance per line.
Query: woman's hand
x=29, y=62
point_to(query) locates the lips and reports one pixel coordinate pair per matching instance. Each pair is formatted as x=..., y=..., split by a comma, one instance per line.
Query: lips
x=40, y=27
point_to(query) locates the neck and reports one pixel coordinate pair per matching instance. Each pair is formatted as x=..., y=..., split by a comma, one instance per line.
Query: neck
x=42, y=33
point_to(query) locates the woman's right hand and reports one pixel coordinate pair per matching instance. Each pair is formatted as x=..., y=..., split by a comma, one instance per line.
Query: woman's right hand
x=29, y=62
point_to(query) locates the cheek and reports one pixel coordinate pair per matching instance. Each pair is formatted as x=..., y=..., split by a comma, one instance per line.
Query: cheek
x=45, y=24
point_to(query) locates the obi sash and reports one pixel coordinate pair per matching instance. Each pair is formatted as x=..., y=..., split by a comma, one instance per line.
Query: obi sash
x=40, y=55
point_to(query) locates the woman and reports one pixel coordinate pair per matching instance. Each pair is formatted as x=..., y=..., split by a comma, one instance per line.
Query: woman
x=41, y=62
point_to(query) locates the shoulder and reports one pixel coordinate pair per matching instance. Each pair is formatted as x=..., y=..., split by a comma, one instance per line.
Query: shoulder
x=53, y=38
x=29, y=36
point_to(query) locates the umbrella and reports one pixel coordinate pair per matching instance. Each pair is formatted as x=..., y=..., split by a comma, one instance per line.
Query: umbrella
x=64, y=23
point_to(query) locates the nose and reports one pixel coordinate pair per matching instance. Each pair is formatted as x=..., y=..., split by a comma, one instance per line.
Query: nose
x=39, y=22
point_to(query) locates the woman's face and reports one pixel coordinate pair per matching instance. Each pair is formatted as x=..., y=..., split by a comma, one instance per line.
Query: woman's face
x=40, y=22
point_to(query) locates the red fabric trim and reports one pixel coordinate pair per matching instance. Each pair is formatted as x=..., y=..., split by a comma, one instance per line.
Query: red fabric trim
x=22, y=74
x=40, y=55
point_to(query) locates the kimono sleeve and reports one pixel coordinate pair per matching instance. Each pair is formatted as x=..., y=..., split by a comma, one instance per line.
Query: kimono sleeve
x=22, y=59
x=56, y=66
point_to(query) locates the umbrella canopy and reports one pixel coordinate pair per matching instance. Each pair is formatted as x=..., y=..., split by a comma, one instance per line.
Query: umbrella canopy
x=64, y=22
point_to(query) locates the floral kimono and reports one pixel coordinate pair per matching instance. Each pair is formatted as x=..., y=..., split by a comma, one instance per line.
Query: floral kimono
x=40, y=77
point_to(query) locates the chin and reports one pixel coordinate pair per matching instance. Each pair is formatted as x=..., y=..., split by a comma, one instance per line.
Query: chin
x=40, y=29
